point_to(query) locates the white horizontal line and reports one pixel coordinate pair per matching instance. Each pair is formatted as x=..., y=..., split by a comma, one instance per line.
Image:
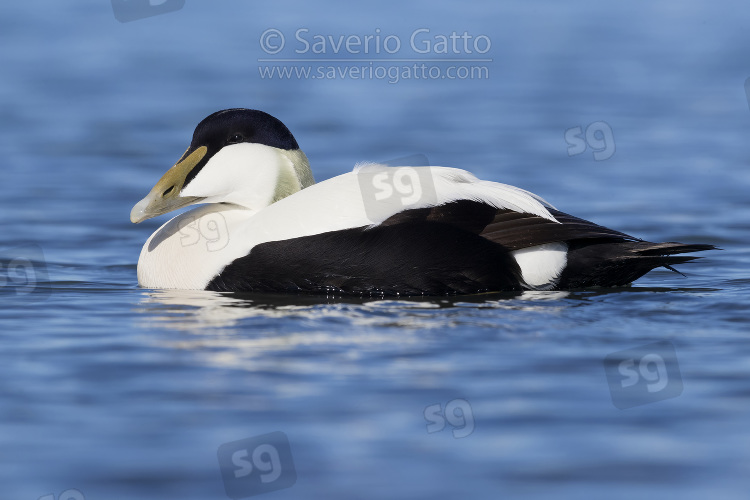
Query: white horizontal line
x=312, y=61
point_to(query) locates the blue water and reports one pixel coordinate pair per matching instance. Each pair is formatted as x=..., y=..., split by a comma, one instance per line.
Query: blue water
x=111, y=391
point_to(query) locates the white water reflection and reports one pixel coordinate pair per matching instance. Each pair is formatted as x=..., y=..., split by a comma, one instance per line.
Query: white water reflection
x=201, y=311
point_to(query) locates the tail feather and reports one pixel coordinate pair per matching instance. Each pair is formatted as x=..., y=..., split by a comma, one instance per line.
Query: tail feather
x=669, y=248
x=618, y=263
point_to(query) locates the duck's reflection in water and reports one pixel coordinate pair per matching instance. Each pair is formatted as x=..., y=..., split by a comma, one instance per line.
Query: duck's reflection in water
x=318, y=333
x=197, y=310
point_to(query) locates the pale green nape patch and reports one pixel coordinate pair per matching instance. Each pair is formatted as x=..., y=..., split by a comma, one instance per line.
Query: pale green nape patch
x=301, y=166
x=294, y=175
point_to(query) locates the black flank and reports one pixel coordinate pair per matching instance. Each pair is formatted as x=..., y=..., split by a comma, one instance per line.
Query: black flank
x=459, y=247
x=426, y=258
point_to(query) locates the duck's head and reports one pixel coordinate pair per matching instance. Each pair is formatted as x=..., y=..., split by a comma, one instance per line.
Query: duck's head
x=240, y=156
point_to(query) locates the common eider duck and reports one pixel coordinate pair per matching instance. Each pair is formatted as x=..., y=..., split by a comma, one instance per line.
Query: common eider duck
x=266, y=226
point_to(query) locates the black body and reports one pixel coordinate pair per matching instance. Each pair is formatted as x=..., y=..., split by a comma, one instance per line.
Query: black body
x=460, y=247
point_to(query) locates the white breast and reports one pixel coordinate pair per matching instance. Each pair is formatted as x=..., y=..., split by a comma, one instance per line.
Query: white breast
x=192, y=248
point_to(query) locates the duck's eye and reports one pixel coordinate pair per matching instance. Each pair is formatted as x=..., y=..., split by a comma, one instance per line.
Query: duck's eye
x=236, y=138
